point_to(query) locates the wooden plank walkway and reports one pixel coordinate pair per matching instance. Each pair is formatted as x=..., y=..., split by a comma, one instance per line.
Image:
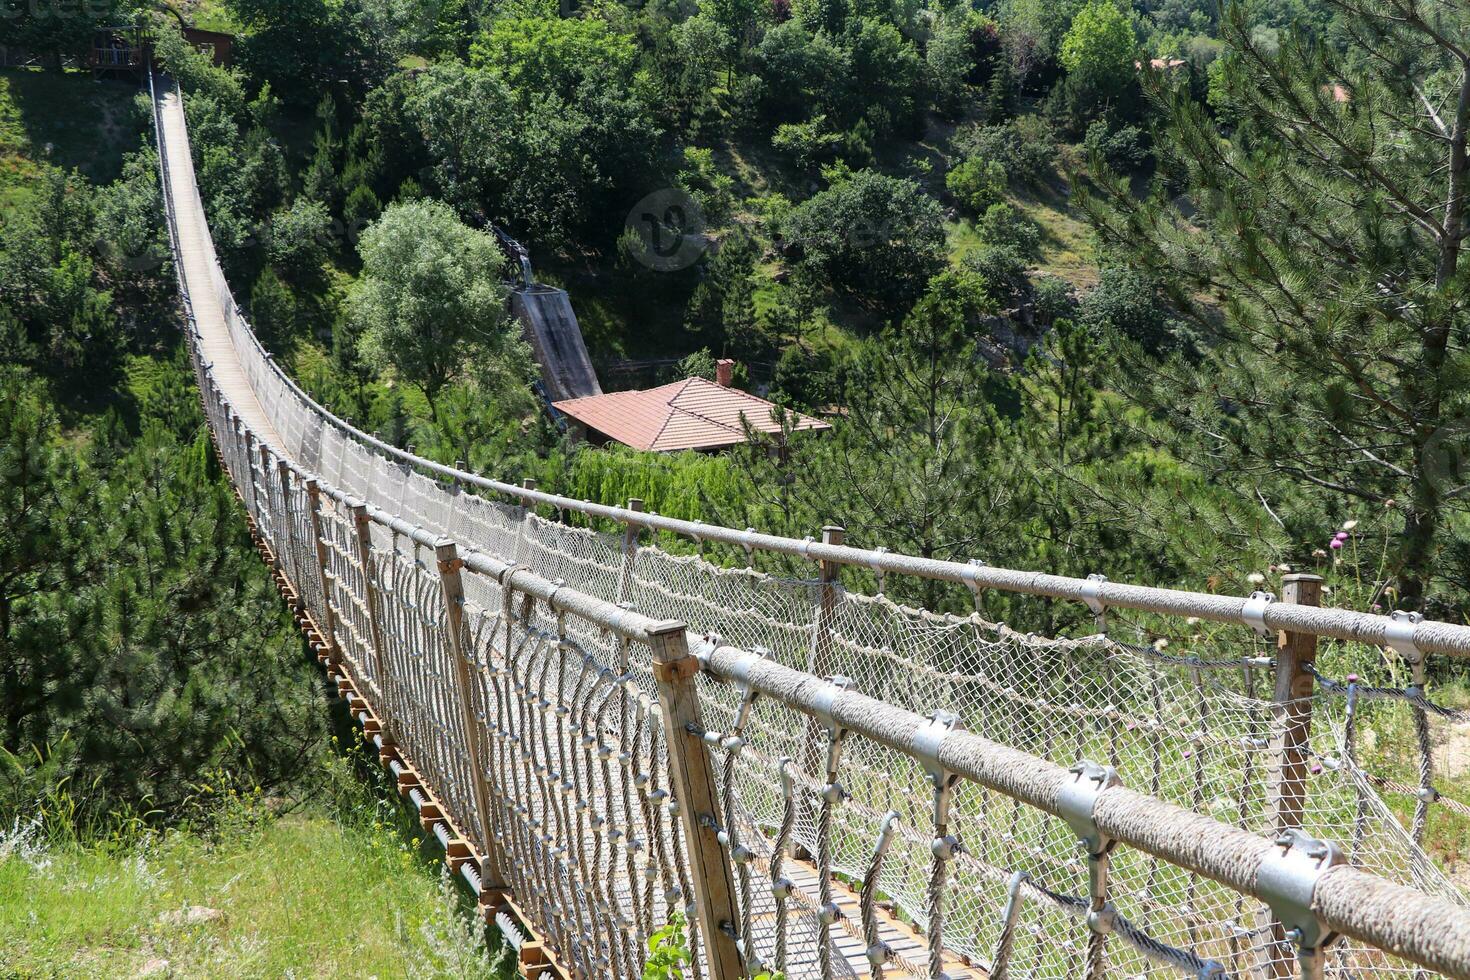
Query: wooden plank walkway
x=902, y=938
x=196, y=256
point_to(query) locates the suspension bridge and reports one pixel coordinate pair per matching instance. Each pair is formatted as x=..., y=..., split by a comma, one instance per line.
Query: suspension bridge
x=603, y=732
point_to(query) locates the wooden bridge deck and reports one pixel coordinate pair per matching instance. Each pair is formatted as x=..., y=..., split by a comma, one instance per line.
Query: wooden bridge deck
x=196, y=255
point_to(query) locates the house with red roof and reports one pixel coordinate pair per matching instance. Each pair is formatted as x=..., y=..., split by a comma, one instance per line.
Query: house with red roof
x=691, y=414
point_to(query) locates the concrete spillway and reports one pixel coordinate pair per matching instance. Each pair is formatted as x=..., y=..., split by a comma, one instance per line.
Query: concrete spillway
x=550, y=327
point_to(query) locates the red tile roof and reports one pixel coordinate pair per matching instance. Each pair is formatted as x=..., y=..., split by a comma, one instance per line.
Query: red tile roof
x=689, y=414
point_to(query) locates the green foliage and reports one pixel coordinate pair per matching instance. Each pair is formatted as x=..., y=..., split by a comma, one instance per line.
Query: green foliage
x=1002, y=226
x=299, y=235
x=950, y=56
x=1099, y=46
x=554, y=56
x=738, y=21
x=1322, y=266
x=873, y=237
x=721, y=309
x=668, y=951
x=886, y=81
x=1025, y=147
x=140, y=637
x=54, y=317
x=361, y=209
x=430, y=295
x=1000, y=94
x=711, y=190
x=1124, y=148
x=305, y=47
x=1128, y=303
x=977, y=183
x=56, y=31
x=274, y=310
x=799, y=69
x=492, y=140
x=809, y=143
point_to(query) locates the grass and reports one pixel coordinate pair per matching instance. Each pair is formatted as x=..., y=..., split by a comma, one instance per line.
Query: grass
x=322, y=892
x=66, y=119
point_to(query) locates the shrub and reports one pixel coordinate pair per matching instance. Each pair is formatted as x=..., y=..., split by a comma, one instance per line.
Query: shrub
x=809, y=143
x=873, y=237
x=1003, y=226
x=1053, y=297
x=1003, y=270
x=1025, y=146
x=1122, y=149
x=361, y=209
x=977, y=183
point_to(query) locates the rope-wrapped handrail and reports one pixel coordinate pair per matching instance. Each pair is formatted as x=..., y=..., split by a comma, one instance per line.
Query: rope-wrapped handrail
x=1427, y=930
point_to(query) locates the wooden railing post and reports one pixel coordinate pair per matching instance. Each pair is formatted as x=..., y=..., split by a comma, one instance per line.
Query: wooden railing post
x=253, y=502
x=1292, y=709
x=822, y=661
x=1291, y=731
x=362, y=527
x=323, y=569
x=491, y=880
x=693, y=781
x=293, y=548
x=630, y=553
x=521, y=527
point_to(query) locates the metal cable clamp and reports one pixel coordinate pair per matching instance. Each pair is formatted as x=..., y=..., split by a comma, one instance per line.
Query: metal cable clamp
x=976, y=564
x=925, y=748
x=1287, y=881
x=1253, y=613
x=1092, y=595
x=836, y=733
x=740, y=677
x=1077, y=803
x=1399, y=635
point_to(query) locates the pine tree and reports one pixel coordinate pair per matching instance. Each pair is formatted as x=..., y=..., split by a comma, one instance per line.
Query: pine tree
x=1000, y=95
x=1322, y=262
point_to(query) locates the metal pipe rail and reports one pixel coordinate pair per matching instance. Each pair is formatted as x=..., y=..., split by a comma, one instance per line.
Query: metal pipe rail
x=1429, y=931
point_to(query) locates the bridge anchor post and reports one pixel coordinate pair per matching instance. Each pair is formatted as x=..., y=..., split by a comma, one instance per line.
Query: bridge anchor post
x=452, y=584
x=1291, y=731
x=323, y=571
x=693, y=781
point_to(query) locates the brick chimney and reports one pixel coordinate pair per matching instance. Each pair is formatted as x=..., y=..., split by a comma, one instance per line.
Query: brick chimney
x=724, y=372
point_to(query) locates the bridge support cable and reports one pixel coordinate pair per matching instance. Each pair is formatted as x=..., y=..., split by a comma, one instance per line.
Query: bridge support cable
x=565, y=746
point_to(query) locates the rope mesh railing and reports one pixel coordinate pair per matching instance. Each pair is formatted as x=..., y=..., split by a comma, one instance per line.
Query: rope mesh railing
x=563, y=775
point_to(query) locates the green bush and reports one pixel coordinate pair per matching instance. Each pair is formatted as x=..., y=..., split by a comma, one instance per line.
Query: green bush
x=1026, y=146
x=809, y=143
x=1002, y=226
x=977, y=184
x=873, y=237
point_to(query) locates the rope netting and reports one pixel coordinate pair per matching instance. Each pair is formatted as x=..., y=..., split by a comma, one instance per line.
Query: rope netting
x=824, y=830
x=1189, y=722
